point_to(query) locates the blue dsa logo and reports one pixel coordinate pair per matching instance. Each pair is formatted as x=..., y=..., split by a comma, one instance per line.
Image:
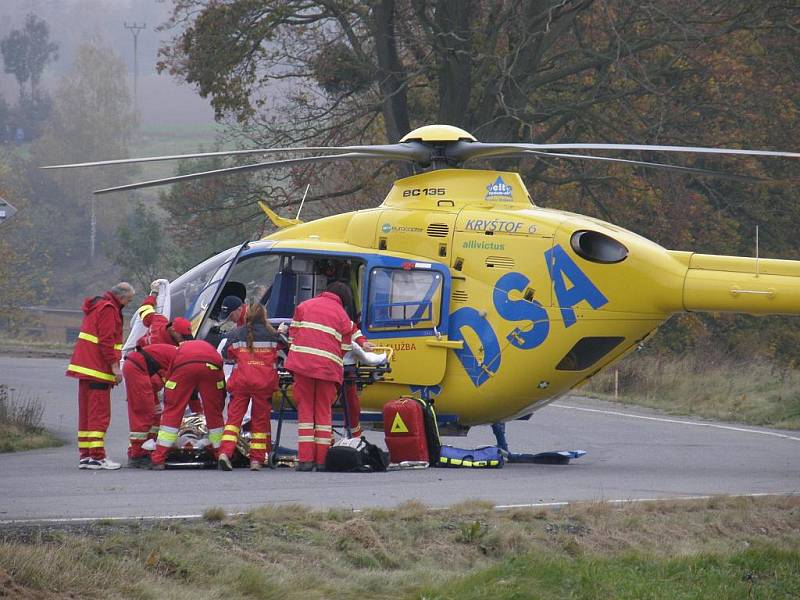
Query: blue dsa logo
x=498, y=189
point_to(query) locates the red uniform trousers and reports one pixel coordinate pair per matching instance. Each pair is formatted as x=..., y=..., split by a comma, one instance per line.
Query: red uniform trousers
x=314, y=399
x=94, y=415
x=144, y=410
x=260, y=426
x=183, y=380
x=353, y=410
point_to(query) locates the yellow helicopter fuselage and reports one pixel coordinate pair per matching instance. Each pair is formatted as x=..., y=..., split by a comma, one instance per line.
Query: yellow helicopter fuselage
x=539, y=299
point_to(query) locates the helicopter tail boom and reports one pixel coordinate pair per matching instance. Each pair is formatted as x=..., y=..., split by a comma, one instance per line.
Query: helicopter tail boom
x=745, y=285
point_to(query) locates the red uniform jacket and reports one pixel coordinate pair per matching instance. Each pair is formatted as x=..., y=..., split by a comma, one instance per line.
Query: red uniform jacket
x=255, y=371
x=154, y=359
x=196, y=351
x=320, y=335
x=357, y=336
x=99, y=341
x=156, y=324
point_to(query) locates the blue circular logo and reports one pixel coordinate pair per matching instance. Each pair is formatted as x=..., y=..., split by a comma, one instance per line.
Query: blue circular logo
x=386, y=228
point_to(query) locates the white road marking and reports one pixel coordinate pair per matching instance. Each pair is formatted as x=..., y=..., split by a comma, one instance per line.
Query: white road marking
x=679, y=422
x=499, y=507
x=634, y=500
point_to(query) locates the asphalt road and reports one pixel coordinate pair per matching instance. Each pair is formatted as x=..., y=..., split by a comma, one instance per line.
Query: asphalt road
x=632, y=454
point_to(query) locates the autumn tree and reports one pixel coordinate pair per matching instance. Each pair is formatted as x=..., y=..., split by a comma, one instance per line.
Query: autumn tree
x=92, y=119
x=27, y=51
x=25, y=267
x=720, y=73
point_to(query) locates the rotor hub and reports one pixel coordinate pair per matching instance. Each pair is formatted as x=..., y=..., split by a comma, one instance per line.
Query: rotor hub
x=438, y=133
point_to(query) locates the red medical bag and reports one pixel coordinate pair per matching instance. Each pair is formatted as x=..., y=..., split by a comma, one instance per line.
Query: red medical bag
x=404, y=428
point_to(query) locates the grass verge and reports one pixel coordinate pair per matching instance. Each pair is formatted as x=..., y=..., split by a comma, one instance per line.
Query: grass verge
x=755, y=393
x=721, y=548
x=20, y=422
x=18, y=347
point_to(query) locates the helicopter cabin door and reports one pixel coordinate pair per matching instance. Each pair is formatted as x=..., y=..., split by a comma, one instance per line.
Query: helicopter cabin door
x=405, y=309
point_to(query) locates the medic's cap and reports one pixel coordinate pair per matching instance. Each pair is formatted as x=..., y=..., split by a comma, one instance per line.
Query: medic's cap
x=229, y=304
x=182, y=326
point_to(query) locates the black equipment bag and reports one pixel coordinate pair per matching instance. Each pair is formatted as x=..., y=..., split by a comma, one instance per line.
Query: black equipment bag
x=431, y=430
x=355, y=455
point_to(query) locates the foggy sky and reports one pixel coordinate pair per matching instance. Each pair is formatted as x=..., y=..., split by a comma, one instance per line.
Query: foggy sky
x=162, y=101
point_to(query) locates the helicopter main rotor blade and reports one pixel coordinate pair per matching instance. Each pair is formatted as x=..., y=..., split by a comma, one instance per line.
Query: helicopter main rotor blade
x=651, y=165
x=407, y=151
x=245, y=168
x=463, y=151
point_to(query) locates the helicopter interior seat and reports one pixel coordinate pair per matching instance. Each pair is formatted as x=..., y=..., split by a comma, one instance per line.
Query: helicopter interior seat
x=282, y=297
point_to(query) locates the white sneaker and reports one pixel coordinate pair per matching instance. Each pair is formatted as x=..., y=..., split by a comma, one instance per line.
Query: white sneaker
x=96, y=464
x=83, y=463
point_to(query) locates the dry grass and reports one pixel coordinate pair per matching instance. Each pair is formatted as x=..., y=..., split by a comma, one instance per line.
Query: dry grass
x=755, y=393
x=292, y=552
x=20, y=422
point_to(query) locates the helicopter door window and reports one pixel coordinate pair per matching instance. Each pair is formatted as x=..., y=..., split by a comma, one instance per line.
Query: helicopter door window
x=404, y=299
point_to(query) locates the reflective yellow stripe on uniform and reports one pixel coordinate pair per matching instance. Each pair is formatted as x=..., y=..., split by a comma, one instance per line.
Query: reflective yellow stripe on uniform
x=138, y=435
x=220, y=385
x=305, y=438
x=91, y=372
x=95, y=340
x=145, y=309
x=167, y=436
x=316, y=352
x=213, y=367
x=230, y=434
x=91, y=434
x=258, y=446
x=260, y=436
x=318, y=327
x=171, y=385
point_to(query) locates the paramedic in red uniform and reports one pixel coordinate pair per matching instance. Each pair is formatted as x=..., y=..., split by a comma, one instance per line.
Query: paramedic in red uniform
x=233, y=310
x=145, y=370
x=253, y=348
x=197, y=365
x=161, y=330
x=320, y=336
x=351, y=391
x=95, y=363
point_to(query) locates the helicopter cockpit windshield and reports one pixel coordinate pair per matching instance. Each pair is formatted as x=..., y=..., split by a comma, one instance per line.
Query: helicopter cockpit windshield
x=191, y=293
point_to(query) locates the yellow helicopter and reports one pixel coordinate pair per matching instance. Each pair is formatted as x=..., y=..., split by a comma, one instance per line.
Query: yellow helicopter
x=492, y=305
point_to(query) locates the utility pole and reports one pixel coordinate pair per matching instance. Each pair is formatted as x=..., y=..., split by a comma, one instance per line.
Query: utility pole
x=135, y=29
x=93, y=232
